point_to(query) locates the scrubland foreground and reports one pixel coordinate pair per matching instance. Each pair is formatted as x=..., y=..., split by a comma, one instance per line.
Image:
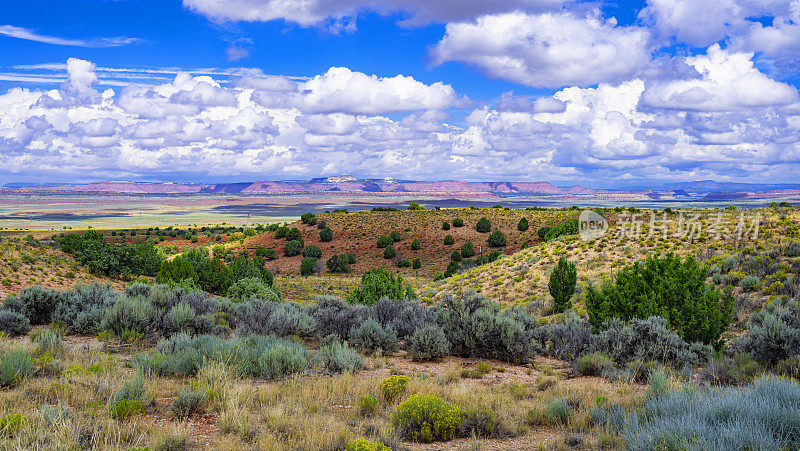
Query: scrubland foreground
x=445, y=329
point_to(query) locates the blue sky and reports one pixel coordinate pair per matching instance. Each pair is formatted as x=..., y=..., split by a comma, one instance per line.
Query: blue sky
x=570, y=92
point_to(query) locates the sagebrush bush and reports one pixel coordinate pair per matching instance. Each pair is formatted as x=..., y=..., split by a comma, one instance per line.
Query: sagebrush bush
x=428, y=343
x=188, y=403
x=85, y=307
x=476, y=327
x=282, y=359
x=393, y=386
x=764, y=415
x=593, y=364
x=337, y=356
x=15, y=365
x=14, y=323
x=668, y=287
x=332, y=316
x=426, y=418
x=130, y=399
x=404, y=316
x=371, y=337
x=47, y=340
x=39, y=303
x=137, y=314
x=774, y=332
x=739, y=369
x=279, y=318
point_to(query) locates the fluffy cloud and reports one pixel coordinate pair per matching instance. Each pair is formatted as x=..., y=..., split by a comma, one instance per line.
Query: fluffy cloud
x=314, y=12
x=728, y=81
x=550, y=49
x=273, y=127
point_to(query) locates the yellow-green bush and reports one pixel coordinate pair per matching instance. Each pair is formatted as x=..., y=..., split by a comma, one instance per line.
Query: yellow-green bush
x=12, y=422
x=363, y=444
x=426, y=418
x=393, y=386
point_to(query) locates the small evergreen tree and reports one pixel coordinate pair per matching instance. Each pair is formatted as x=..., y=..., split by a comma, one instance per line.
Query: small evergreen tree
x=497, y=239
x=483, y=225
x=562, y=284
x=523, y=225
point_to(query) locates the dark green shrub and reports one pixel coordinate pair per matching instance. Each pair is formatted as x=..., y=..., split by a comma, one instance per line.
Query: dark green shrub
x=307, y=266
x=669, y=288
x=426, y=418
x=416, y=264
x=395, y=236
x=496, y=239
x=458, y=222
x=176, y=270
x=294, y=234
x=455, y=256
x=293, y=248
x=542, y=232
x=445, y=225
x=428, y=343
x=377, y=283
x=566, y=228
x=384, y=241
x=523, y=225
x=562, y=283
x=449, y=240
x=415, y=245
x=308, y=218
x=338, y=264
x=467, y=250
x=14, y=323
x=326, y=234
x=312, y=251
x=483, y=225
x=371, y=337
x=389, y=252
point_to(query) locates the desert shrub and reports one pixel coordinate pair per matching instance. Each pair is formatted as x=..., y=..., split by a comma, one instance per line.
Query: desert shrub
x=404, y=315
x=426, y=418
x=282, y=359
x=308, y=218
x=367, y=405
x=566, y=228
x=293, y=248
x=384, y=241
x=562, y=283
x=773, y=332
x=326, y=234
x=449, y=240
x=483, y=225
x=188, y=403
x=14, y=323
x=467, y=250
x=456, y=257
x=593, y=364
x=395, y=236
x=649, y=339
x=669, y=288
x=523, y=225
x=377, y=283
x=130, y=313
x=36, y=303
x=283, y=319
x=337, y=356
x=428, y=343
x=332, y=316
x=393, y=386
x=363, y=444
x=445, y=225
x=47, y=340
x=253, y=288
x=764, y=415
x=749, y=283
x=129, y=400
x=477, y=327
x=182, y=317
x=740, y=369
x=312, y=251
x=371, y=337
x=496, y=239
x=339, y=263
x=111, y=259
x=389, y=252
x=416, y=244
x=85, y=307
x=307, y=266
x=15, y=365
